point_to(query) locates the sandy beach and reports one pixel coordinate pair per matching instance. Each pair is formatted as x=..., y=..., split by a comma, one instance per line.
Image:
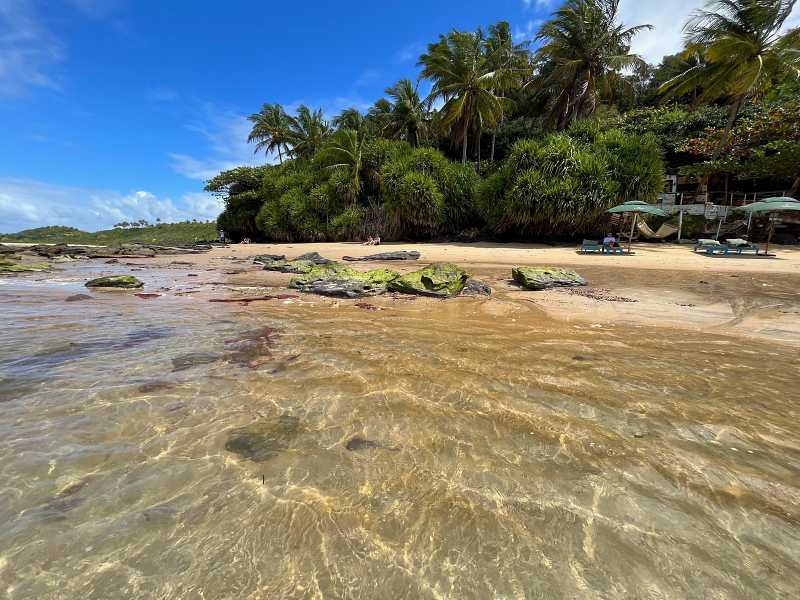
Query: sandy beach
x=665, y=285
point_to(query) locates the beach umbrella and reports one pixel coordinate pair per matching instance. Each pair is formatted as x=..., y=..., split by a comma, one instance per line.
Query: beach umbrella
x=636, y=207
x=770, y=206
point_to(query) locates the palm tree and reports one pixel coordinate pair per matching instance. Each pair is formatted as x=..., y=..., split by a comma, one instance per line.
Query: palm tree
x=509, y=60
x=465, y=81
x=409, y=114
x=344, y=150
x=584, y=49
x=349, y=118
x=307, y=132
x=270, y=129
x=744, y=52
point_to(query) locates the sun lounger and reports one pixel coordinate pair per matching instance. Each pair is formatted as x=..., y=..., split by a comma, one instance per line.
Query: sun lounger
x=613, y=249
x=704, y=243
x=591, y=246
x=740, y=246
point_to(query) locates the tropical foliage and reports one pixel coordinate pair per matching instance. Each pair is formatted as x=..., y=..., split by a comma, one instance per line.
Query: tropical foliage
x=530, y=144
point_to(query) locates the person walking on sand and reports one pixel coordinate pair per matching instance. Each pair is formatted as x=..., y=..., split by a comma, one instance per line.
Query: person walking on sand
x=221, y=236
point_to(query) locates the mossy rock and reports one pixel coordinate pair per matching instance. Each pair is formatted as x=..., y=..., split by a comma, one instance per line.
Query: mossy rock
x=336, y=279
x=543, y=278
x=261, y=441
x=115, y=281
x=441, y=280
x=300, y=265
x=9, y=266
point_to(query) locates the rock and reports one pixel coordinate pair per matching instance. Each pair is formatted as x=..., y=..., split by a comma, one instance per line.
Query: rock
x=115, y=281
x=77, y=298
x=336, y=279
x=542, y=278
x=193, y=359
x=289, y=266
x=8, y=266
x=367, y=306
x=268, y=258
x=359, y=443
x=476, y=288
x=147, y=296
x=7, y=249
x=261, y=441
x=314, y=257
x=441, y=280
x=399, y=255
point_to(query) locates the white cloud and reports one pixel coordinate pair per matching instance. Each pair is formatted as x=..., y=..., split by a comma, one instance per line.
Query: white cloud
x=27, y=49
x=667, y=18
x=225, y=134
x=27, y=203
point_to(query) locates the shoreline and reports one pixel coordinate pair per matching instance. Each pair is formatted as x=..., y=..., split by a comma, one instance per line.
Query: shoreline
x=666, y=286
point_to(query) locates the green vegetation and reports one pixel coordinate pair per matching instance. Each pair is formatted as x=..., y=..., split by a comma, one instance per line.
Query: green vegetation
x=532, y=145
x=162, y=234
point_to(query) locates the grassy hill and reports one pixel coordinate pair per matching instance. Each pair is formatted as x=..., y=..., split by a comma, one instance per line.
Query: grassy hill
x=164, y=234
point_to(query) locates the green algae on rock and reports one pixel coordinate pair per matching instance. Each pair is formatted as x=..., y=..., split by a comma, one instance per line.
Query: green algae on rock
x=440, y=280
x=9, y=266
x=542, y=278
x=301, y=264
x=336, y=279
x=115, y=281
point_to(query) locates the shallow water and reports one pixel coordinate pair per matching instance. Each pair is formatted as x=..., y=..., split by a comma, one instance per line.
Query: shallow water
x=301, y=448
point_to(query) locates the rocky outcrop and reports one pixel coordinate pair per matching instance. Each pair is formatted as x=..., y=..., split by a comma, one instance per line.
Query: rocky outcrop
x=399, y=255
x=10, y=266
x=336, y=279
x=543, y=278
x=300, y=265
x=129, y=250
x=115, y=281
x=268, y=258
x=441, y=280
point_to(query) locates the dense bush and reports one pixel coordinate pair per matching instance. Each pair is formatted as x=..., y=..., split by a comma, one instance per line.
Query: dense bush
x=551, y=187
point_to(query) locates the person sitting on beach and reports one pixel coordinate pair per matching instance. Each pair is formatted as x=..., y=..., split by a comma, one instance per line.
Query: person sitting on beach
x=610, y=241
x=369, y=242
x=377, y=240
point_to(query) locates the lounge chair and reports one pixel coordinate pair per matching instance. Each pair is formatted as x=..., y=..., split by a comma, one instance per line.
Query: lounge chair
x=704, y=243
x=613, y=249
x=740, y=246
x=591, y=246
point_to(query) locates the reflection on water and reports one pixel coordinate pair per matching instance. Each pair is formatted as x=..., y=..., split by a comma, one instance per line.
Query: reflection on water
x=311, y=449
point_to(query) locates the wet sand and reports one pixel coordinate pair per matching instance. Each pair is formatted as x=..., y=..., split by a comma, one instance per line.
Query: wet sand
x=662, y=285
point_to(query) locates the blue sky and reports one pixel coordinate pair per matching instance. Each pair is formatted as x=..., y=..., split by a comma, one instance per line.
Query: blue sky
x=120, y=109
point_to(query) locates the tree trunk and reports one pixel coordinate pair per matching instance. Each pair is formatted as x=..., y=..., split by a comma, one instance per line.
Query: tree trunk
x=795, y=187
x=464, y=142
x=491, y=155
x=732, y=114
x=480, y=133
x=280, y=156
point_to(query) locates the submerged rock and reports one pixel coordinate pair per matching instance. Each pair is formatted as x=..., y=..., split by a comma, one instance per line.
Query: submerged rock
x=542, y=278
x=476, y=288
x=193, y=359
x=336, y=279
x=77, y=298
x=115, y=281
x=261, y=441
x=441, y=280
x=398, y=255
x=358, y=443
